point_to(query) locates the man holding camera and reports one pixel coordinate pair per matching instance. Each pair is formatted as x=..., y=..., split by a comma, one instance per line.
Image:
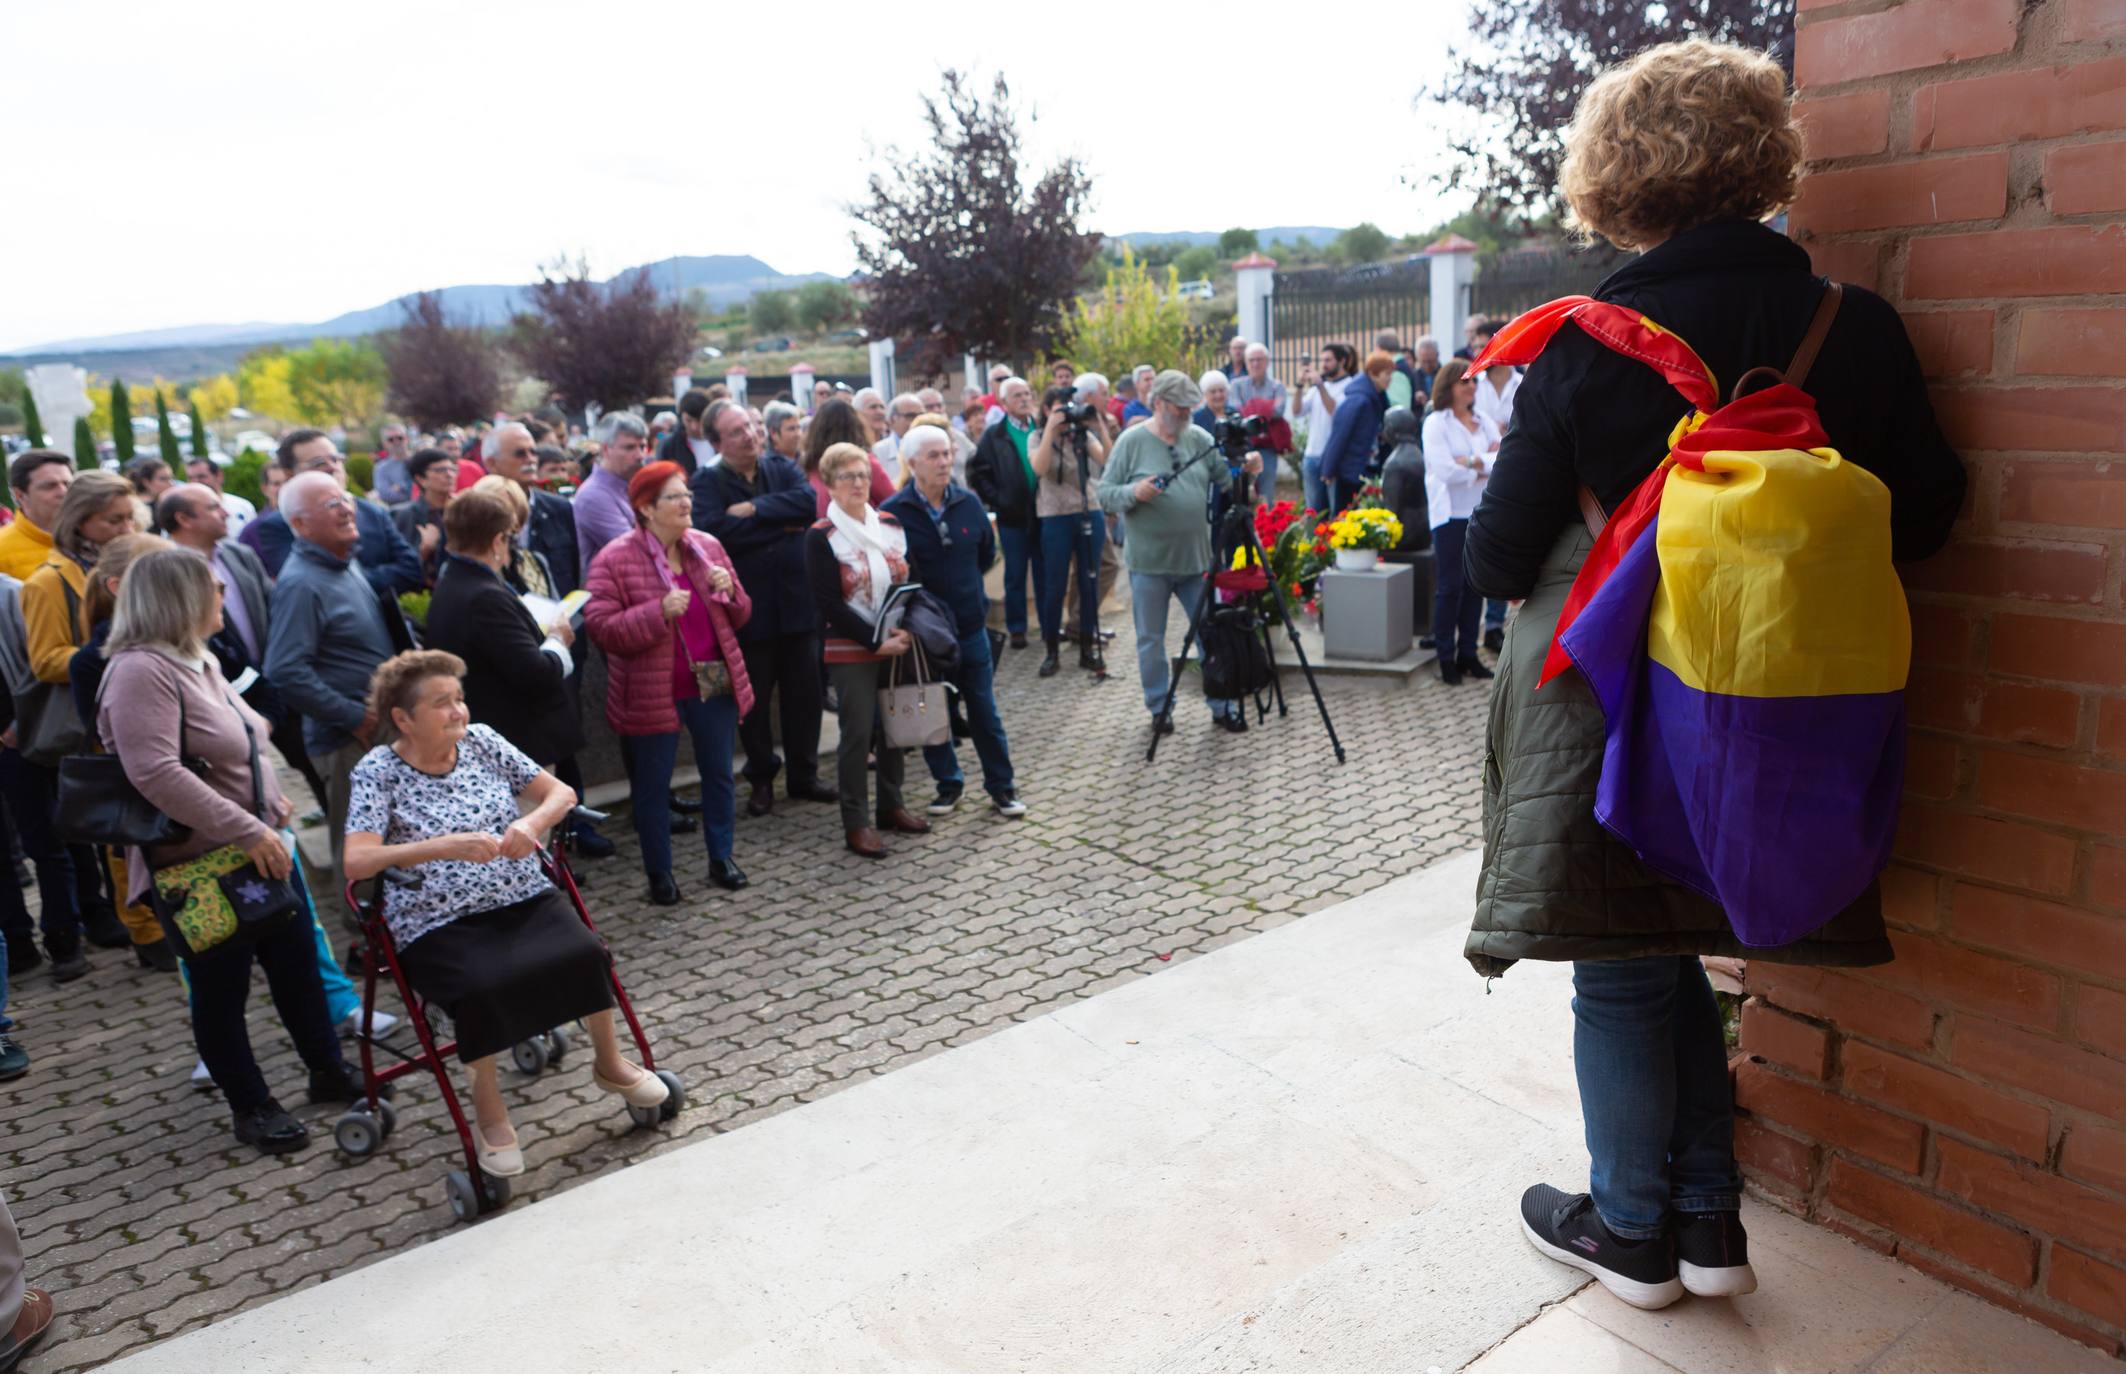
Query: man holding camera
x=1158, y=479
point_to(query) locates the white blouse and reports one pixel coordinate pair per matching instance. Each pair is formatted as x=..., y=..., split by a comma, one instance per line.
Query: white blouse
x=1452, y=486
x=1494, y=404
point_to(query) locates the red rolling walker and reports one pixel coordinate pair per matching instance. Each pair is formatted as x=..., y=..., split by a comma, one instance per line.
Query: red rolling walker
x=471, y=1192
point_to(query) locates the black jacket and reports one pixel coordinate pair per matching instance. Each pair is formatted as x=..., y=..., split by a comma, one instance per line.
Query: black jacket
x=511, y=683
x=553, y=534
x=954, y=573
x=676, y=449
x=999, y=478
x=768, y=546
x=1742, y=297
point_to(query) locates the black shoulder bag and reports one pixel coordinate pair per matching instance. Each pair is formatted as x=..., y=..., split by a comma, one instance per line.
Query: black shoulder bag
x=98, y=803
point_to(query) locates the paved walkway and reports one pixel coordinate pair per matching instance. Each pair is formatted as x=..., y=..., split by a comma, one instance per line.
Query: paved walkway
x=148, y=1221
x=1301, y=1152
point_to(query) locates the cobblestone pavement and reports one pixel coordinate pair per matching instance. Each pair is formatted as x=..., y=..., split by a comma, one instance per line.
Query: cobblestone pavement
x=146, y=1219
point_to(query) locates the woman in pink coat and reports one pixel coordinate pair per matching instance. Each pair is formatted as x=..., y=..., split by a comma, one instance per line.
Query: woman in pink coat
x=666, y=606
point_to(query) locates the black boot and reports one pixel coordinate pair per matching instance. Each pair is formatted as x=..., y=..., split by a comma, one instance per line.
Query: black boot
x=1051, y=665
x=1089, y=656
x=271, y=1129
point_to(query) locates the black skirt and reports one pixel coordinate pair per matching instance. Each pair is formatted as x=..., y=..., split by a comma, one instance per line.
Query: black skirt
x=508, y=974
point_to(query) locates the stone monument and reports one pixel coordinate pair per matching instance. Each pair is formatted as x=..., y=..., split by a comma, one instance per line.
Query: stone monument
x=62, y=396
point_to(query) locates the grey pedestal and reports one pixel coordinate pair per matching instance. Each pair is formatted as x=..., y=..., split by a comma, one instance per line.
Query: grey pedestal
x=1367, y=615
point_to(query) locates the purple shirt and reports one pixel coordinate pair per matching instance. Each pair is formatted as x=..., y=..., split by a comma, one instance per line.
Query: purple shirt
x=602, y=514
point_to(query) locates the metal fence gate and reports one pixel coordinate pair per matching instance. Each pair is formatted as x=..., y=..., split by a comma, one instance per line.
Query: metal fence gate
x=1322, y=306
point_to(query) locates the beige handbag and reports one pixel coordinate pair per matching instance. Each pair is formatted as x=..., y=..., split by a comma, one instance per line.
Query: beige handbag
x=913, y=715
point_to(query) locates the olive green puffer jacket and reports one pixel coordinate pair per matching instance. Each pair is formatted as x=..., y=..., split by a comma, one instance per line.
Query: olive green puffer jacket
x=1555, y=883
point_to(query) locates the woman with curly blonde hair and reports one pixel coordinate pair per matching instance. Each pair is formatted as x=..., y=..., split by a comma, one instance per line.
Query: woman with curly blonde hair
x=1681, y=153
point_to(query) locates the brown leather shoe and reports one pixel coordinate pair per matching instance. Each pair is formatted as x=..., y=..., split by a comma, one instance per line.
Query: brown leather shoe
x=29, y=1327
x=866, y=841
x=900, y=819
x=762, y=801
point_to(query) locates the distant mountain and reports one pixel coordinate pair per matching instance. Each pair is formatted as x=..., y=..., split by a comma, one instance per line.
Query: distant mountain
x=1192, y=237
x=723, y=280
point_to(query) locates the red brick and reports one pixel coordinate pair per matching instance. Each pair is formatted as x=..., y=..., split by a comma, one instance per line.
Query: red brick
x=2087, y=1283
x=1931, y=764
x=2019, y=106
x=1858, y=261
x=1981, y=847
x=2027, y=569
x=2082, y=20
x=2096, y=1155
x=2042, y=1065
x=2064, y=260
x=1835, y=1121
x=1854, y=1006
x=2043, y=1201
x=1844, y=125
x=1936, y=1095
x=2081, y=651
x=1943, y=700
x=2107, y=876
x=2067, y=419
x=1783, y=1039
x=1791, y=1161
x=1965, y=978
x=2111, y=727
x=1922, y=33
x=1942, y=636
x=1917, y=1216
x=1950, y=342
x=2079, y=795
x=2044, y=1316
x=2090, y=494
x=2047, y=932
x=2086, y=178
x=2100, y=1016
x=2078, y=343
x=1911, y=898
x=2029, y=715
x=1935, y=191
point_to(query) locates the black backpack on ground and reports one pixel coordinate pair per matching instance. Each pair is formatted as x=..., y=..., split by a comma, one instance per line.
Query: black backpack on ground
x=1235, y=663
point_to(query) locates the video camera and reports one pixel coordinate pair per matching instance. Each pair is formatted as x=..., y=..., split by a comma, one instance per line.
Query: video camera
x=1238, y=435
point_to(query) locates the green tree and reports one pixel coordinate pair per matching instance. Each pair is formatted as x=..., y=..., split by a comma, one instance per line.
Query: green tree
x=32, y=422
x=337, y=381
x=823, y=304
x=1237, y=243
x=85, y=445
x=770, y=312
x=1361, y=243
x=122, y=421
x=199, y=429
x=166, y=437
x=1135, y=318
x=1197, y=262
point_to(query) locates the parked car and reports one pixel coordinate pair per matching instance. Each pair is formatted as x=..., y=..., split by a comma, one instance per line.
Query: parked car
x=848, y=336
x=1199, y=289
x=258, y=441
x=779, y=344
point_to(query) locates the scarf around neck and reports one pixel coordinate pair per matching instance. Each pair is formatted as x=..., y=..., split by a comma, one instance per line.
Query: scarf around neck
x=868, y=537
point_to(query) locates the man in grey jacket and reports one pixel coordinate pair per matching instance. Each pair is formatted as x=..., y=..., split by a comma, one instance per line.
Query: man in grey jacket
x=329, y=632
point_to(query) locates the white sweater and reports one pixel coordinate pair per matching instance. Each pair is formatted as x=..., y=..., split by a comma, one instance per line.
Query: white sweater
x=1452, y=484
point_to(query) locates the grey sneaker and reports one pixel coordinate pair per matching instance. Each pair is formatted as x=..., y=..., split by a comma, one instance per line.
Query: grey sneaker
x=1566, y=1227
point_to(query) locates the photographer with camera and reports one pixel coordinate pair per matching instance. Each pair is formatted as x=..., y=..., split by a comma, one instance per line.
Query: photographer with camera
x=1159, y=479
x=1067, y=463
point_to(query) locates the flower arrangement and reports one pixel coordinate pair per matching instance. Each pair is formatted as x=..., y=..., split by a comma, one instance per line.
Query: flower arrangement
x=1365, y=527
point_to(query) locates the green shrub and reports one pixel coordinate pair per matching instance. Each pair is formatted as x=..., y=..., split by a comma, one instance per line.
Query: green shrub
x=240, y=478
x=361, y=472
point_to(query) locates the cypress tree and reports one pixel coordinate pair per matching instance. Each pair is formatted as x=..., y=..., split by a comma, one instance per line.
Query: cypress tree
x=199, y=430
x=122, y=421
x=32, y=422
x=85, y=446
x=166, y=437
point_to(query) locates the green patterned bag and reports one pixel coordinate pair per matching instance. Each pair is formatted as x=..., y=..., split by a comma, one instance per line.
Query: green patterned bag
x=192, y=904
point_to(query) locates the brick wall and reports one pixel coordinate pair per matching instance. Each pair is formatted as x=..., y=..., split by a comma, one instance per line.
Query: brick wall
x=1965, y=1107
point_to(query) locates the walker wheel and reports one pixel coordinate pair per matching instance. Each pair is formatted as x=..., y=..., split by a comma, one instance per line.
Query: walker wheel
x=529, y=1056
x=557, y=1045
x=646, y=1116
x=357, y=1134
x=458, y=1191
x=494, y=1192
x=669, y=1108
x=389, y=1117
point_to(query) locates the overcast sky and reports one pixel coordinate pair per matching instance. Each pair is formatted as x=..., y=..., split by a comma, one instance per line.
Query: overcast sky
x=229, y=161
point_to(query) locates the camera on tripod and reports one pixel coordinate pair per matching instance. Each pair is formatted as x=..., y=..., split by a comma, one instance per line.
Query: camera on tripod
x=1237, y=435
x=1078, y=414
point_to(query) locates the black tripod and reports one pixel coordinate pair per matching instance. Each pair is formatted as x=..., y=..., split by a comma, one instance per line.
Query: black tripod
x=1237, y=531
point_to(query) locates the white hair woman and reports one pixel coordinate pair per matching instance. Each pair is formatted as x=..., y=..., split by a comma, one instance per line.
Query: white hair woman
x=1217, y=392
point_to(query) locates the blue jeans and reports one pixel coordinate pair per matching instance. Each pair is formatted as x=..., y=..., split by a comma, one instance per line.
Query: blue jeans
x=1022, y=549
x=976, y=680
x=714, y=727
x=1455, y=604
x=1310, y=480
x=1149, y=594
x=1652, y=1067
x=1061, y=543
x=5, y=1024
x=1494, y=615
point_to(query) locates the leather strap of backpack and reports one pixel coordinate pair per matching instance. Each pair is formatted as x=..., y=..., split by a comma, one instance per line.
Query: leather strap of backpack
x=1797, y=371
x=1591, y=512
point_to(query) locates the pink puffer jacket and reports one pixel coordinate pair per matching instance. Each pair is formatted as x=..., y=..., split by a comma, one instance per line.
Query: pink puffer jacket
x=625, y=618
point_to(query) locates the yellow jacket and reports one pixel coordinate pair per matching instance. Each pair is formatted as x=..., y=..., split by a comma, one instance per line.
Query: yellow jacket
x=23, y=548
x=53, y=634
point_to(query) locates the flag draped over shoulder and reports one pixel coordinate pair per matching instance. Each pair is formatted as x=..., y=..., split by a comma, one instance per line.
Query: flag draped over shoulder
x=1741, y=624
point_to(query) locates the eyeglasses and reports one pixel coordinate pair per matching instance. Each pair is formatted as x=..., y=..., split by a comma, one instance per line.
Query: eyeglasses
x=850, y=478
x=675, y=496
x=330, y=503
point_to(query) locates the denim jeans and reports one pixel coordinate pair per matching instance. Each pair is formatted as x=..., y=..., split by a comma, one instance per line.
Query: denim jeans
x=1022, y=552
x=30, y=804
x=976, y=680
x=1494, y=615
x=714, y=727
x=1455, y=604
x=5, y=1024
x=1310, y=480
x=1149, y=595
x=1067, y=548
x=1652, y=1067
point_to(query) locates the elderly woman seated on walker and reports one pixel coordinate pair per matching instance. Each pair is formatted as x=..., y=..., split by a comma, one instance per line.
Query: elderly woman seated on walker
x=480, y=931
